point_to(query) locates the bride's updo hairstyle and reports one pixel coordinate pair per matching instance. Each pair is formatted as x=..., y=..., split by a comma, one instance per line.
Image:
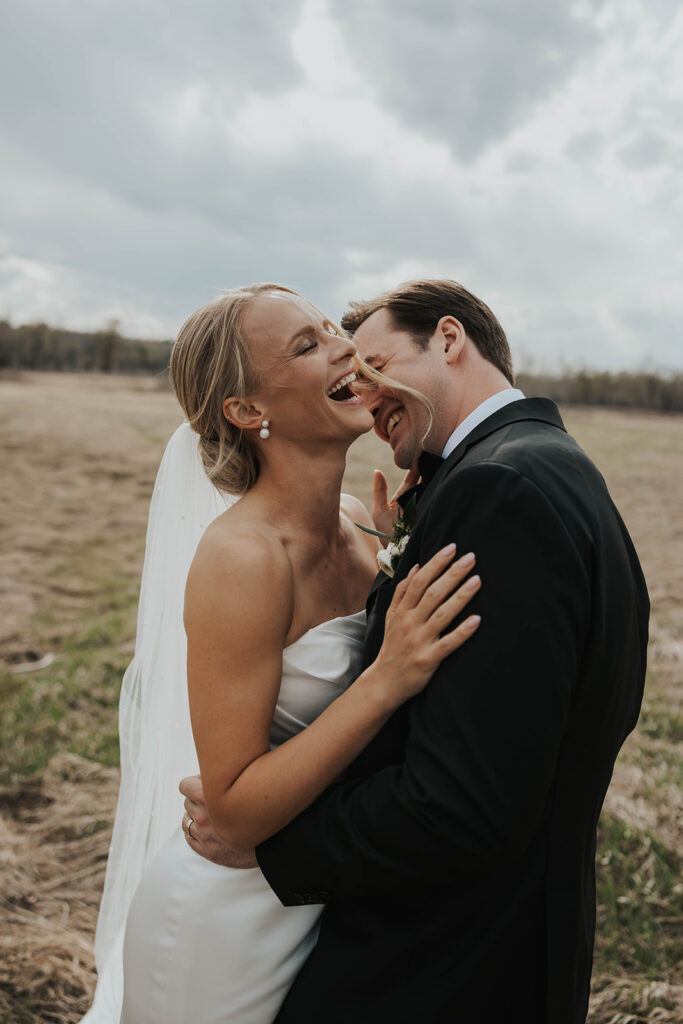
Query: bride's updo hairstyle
x=210, y=362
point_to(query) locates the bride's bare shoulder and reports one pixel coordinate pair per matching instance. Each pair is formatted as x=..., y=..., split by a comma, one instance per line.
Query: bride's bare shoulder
x=353, y=508
x=355, y=514
x=238, y=555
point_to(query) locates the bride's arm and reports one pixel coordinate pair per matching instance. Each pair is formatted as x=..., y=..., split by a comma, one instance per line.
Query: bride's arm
x=239, y=606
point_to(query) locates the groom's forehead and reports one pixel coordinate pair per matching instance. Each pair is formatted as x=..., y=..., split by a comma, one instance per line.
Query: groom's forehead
x=377, y=337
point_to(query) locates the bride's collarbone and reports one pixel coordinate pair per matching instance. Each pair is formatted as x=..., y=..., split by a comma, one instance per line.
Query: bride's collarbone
x=328, y=581
x=324, y=595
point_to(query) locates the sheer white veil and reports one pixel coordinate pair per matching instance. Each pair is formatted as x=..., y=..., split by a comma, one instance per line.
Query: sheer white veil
x=157, y=749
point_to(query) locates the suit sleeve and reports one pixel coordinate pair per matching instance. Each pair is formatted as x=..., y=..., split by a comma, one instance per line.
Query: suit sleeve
x=484, y=736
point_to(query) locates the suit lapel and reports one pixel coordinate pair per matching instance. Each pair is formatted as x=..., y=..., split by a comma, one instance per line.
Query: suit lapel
x=380, y=579
x=540, y=409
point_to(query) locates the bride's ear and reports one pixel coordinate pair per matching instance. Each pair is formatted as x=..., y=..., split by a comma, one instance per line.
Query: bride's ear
x=241, y=413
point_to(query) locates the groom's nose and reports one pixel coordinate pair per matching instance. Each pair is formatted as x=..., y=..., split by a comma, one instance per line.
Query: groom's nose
x=372, y=400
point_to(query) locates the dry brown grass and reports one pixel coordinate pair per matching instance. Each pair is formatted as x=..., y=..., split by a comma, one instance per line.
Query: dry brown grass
x=79, y=457
x=55, y=837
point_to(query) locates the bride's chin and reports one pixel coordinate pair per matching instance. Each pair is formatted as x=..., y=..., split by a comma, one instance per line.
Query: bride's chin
x=366, y=428
x=363, y=426
x=351, y=435
x=358, y=420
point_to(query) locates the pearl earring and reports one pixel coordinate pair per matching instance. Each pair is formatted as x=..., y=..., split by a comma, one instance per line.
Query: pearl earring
x=264, y=432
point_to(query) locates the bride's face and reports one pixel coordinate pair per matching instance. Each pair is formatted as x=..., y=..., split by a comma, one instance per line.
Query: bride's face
x=304, y=366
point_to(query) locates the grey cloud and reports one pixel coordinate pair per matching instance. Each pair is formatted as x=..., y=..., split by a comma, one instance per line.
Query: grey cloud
x=584, y=146
x=661, y=332
x=291, y=221
x=96, y=182
x=666, y=11
x=86, y=80
x=648, y=149
x=523, y=163
x=464, y=73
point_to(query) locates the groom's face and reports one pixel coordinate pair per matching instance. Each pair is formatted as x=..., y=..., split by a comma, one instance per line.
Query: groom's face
x=401, y=419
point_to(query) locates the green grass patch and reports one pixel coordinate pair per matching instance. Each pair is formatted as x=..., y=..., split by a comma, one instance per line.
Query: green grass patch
x=640, y=903
x=659, y=721
x=72, y=704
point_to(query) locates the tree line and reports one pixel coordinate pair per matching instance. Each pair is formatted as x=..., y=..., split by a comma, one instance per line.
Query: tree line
x=40, y=347
x=625, y=390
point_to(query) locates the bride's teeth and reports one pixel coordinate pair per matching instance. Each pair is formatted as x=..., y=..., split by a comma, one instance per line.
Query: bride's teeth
x=342, y=383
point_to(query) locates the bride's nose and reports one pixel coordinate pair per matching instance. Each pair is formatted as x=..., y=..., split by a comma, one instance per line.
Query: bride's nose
x=344, y=350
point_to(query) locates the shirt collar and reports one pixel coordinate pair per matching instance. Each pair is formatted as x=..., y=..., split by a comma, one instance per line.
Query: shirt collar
x=478, y=415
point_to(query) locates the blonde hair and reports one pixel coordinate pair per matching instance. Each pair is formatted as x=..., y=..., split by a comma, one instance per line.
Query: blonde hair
x=210, y=362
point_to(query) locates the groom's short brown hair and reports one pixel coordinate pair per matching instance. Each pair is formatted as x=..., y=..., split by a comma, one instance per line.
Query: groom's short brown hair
x=417, y=307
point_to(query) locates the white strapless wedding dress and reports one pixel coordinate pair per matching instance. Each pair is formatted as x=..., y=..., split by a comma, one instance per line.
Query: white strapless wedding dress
x=212, y=945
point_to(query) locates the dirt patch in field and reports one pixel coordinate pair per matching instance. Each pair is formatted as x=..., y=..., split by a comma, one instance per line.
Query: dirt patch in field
x=79, y=455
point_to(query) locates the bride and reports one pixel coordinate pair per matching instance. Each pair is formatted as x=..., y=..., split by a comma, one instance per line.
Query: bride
x=274, y=621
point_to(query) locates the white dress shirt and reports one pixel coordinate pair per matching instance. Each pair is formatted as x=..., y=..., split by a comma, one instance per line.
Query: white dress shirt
x=478, y=415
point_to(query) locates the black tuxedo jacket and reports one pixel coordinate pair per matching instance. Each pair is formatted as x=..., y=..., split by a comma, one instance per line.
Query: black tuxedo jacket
x=456, y=856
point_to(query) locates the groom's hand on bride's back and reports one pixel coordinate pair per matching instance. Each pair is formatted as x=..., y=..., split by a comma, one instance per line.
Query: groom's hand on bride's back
x=199, y=833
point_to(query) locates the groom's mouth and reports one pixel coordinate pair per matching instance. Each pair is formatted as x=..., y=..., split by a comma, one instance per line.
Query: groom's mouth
x=389, y=422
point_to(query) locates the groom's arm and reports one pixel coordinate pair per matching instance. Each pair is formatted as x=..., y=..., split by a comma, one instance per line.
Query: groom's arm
x=485, y=734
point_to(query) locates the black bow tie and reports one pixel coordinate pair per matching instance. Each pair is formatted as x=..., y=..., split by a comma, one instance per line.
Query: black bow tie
x=428, y=465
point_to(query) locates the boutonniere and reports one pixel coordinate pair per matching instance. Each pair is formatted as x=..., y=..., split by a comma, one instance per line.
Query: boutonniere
x=388, y=557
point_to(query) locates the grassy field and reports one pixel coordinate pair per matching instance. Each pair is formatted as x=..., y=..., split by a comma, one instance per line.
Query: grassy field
x=79, y=454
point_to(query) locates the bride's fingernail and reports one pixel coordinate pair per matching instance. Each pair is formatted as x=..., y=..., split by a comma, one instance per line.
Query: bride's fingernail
x=467, y=560
x=473, y=622
x=448, y=550
x=471, y=583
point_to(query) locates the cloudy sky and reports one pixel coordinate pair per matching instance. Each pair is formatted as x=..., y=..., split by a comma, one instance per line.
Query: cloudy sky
x=153, y=152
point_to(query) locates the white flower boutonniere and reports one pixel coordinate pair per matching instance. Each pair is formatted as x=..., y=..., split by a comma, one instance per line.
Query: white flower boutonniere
x=388, y=557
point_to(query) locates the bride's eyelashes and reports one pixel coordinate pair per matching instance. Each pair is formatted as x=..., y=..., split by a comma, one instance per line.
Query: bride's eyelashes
x=307, y=348
x=313, y=344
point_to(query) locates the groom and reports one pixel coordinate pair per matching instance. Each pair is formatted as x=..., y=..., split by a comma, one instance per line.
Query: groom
x=456, y=856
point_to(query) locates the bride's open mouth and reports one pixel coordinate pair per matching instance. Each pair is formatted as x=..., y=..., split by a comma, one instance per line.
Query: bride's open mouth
x=341, y=392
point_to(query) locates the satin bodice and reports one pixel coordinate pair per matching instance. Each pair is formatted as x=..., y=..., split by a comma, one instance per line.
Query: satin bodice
x=316, y=669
